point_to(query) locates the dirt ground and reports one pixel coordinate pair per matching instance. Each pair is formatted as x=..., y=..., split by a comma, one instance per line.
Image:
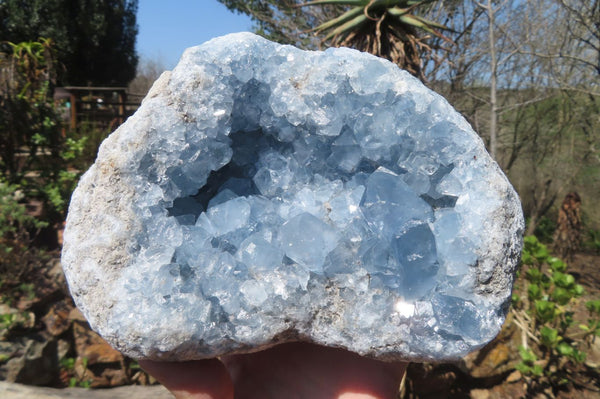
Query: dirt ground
x=586, y=269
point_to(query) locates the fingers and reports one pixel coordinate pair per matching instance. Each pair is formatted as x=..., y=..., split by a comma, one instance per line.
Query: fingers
x=199, y=379
x=294, y=370
x=312, y=371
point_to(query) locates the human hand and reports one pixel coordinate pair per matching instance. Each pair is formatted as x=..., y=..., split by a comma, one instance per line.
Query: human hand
x=287, y=371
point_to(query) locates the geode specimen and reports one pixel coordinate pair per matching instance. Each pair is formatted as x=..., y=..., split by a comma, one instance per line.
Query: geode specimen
x=264, y=194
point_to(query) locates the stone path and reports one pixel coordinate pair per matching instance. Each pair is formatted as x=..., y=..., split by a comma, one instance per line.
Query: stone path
x=18, y=391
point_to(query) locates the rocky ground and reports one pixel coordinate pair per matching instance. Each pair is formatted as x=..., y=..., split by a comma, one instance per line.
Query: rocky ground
x=45, y=341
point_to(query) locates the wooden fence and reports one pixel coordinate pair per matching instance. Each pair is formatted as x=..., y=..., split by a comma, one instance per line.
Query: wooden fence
x=102, y=107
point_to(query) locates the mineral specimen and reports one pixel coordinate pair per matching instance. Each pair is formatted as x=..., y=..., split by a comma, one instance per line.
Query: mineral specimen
x=264, y=194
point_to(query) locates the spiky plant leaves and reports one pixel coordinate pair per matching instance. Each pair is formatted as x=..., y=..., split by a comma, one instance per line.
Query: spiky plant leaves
x=386, y=28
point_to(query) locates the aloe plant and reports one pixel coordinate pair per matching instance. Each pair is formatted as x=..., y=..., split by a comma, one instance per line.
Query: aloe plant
x=387, y=28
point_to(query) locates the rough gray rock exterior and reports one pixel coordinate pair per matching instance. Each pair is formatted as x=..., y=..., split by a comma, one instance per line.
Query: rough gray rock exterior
x=264, y=194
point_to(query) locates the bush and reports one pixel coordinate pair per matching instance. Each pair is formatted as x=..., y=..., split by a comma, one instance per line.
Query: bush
x=544, y=231
x=35, y=150
x=554, y=349
x=28, y=120
x=592, y=241
x=17, y=230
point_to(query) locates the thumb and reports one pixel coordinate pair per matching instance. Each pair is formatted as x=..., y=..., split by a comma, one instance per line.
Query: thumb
x=197, y=379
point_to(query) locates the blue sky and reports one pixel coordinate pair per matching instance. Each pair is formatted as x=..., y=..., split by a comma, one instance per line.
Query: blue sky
x=166, y=28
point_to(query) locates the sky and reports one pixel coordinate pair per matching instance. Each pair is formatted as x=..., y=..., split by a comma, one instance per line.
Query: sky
x=166, y=28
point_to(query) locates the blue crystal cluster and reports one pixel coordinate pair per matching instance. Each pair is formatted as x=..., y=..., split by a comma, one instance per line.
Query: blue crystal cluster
x=325, y=196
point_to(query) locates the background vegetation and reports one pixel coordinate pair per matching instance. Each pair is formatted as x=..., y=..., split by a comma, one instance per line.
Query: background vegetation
x=526, y=74
x=94, y=39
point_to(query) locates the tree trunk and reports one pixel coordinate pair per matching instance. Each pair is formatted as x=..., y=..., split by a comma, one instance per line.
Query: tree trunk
x=493, y=81
x=567, y=237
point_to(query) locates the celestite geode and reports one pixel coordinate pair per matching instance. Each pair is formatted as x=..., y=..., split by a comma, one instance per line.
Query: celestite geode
x=264, y=194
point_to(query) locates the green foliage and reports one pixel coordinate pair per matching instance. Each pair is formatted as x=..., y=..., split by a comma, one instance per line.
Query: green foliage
x=17, y=230
x=28, y=121
x=549, y=131
x=74, y=382
x=554, y=351
x=14, y=221
x=134, y=365
x=545, y=229
x=68, y=365
x=529, y=363
x=592, y=328
x=7, y=320
x=593, y=306
x=391, y=29
x=592, y=241
x=14, y=321
x=88, y=138
x=363, y=12
x=40, y=162
x=95, y=39
x=27, y=290
x=35, y=150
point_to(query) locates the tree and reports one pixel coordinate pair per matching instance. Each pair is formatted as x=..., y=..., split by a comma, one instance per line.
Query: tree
x=490, y=11
x=581, y=45
x=281, y=20
x=27, y=116
x=545, y=102
x=386, y=28
x=95, y=39
x=35, y=153
x=148, y=71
